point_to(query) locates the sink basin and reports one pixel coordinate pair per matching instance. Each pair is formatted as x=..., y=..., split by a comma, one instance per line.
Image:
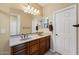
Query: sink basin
x=26, y=38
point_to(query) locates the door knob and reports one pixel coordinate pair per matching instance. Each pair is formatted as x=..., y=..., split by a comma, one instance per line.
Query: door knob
x=56, y=34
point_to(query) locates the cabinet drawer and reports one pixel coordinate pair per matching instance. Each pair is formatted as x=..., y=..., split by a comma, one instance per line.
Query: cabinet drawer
x=34, y=42
x=21, y=52
x=19, y=47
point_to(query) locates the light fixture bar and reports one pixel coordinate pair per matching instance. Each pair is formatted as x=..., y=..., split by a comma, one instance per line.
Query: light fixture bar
x=30, y=9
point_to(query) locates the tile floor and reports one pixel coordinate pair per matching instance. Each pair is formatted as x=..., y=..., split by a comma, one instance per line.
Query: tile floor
x=51, y=53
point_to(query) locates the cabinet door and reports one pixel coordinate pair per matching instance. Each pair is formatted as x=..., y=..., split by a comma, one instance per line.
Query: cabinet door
x=34, y=49
x=47, y=44
x=42, y=45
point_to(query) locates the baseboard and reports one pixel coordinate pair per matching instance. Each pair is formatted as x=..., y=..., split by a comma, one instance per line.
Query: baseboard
x=52, y=50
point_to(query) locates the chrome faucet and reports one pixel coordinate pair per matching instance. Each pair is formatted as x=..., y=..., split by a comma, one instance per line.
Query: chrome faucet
x=22, y=36
x=25, y=36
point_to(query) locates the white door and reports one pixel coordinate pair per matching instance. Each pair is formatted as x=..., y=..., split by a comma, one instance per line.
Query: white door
x=65, y=33
x=14, y=25
x=34, y=24
x=59, y=32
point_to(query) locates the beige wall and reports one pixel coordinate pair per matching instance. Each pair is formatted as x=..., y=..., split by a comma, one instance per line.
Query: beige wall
x=4, y=37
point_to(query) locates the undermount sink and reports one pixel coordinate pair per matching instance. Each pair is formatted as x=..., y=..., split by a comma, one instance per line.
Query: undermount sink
x=26, y=38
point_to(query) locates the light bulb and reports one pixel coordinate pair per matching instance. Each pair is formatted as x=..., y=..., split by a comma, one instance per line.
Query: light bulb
x=38, y=11
x=35, y=10
x=28, y=7
x=23, y=7
x=32, y=8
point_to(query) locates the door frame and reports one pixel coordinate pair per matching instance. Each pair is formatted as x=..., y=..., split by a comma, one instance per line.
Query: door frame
x=54, y=24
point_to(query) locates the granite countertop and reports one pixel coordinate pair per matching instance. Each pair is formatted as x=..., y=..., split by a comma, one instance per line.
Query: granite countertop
x=17, y=39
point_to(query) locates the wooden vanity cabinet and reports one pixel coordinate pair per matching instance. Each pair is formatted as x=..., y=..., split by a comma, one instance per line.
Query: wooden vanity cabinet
x=36, y=47
x=20, y=49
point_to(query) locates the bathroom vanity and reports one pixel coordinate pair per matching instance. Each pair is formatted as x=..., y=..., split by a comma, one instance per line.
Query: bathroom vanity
x=37, y=45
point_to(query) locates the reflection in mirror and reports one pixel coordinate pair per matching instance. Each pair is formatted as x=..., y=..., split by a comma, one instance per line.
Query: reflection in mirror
x=22, y=23
x=14, y=24
x=35, y=22
x=43, y=23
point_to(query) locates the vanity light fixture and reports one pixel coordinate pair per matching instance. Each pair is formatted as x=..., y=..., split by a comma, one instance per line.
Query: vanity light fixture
x=30, y=9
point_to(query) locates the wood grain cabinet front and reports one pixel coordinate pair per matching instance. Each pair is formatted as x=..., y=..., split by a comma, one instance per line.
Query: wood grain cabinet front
x=21, y=52
x=47, y=43
x=42, y=48
x=20, y=49
x=44, y=44
x=35, y=47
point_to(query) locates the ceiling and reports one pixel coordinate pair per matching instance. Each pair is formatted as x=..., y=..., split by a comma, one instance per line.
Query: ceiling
x=12, y=4
x=47, y=4
x=43, y=4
